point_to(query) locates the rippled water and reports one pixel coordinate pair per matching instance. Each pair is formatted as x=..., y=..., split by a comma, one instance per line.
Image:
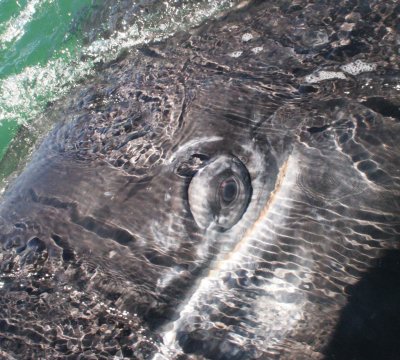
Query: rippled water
x=228, y=191
x=47, y=47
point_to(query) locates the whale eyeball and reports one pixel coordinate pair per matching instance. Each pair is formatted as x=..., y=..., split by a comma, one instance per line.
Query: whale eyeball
x=219, y=193
x=228, y=191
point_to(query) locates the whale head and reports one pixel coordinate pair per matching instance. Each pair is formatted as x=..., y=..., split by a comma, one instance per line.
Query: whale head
x=215, y=195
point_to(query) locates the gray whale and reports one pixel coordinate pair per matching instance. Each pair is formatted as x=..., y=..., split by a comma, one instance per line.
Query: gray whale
x=222, y=194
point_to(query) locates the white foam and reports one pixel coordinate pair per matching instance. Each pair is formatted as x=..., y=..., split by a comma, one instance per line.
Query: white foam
x=21, y=94
x=167, y=24
x=324, y=75
x=14, y=28
x=358, y=67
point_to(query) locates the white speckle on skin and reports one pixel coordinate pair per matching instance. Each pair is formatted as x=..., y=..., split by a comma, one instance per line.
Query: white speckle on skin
x=257, y=49
x=358, y=67
x=247, y=37
x=236, y=54
x=324, y=75
x=112, y=253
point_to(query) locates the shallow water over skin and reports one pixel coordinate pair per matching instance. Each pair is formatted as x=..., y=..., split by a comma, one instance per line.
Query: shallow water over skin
x=48, y=47
x=231, y=192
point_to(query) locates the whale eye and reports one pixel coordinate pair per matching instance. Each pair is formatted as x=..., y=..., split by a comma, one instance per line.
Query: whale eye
x=219, y=193
x=228, y=191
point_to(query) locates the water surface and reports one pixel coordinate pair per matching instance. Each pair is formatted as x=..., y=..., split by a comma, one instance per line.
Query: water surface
x=49, y=46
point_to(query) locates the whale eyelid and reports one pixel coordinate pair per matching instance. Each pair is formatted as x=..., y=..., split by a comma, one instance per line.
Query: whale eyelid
x=184, y=149
x=190, y=166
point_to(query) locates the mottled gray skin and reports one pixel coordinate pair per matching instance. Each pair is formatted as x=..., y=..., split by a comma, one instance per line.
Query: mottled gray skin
x=101, y=254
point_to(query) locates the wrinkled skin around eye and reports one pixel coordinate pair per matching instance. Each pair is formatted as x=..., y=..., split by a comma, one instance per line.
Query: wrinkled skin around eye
x=220, y=193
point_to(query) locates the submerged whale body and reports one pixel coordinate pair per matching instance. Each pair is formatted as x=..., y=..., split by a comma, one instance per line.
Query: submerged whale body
x=229, y=193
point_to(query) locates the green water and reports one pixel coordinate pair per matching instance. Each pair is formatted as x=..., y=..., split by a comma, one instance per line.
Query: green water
x=31, y=34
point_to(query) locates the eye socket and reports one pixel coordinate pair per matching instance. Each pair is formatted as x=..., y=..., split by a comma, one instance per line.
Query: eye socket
x=219, y=193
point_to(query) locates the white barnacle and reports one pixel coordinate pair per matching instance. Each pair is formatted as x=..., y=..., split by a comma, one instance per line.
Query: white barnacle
x=257, y=49
x=247, y=37
x=358, y=67
x=236, y=54
x=324, y=75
